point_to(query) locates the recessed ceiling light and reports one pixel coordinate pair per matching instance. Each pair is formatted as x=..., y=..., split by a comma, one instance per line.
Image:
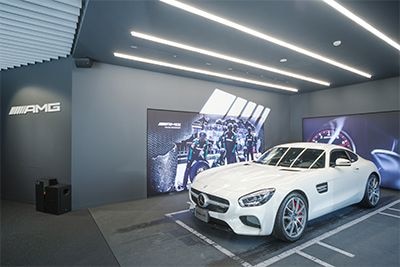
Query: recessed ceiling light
x=283, y=60
x=208, y=64
x=226, y=57
x=263, y=36
x=134, y=46
x=337, y=43
x=174, y=56
x=205, y=72
x=230, y=69
x=362, y=23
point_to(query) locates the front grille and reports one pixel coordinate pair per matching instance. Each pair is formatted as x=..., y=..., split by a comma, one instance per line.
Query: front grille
x=217, y=204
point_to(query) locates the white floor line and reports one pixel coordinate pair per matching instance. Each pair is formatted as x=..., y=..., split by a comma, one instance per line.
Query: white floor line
x=394, y=209
x=176, y=212
x=314, y=259
x=348, y=254
x=215, y=245
x=391, y=215
x=321, y=237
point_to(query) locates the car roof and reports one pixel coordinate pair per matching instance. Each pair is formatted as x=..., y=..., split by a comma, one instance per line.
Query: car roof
x=312, y=145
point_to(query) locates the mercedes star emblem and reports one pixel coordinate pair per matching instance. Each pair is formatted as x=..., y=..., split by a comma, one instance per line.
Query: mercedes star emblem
x=202, y=200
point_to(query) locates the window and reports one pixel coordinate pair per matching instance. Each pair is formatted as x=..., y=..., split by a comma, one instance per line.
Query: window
x=307, y=158
x=290, y=156
x=337, y=154
x=353, y=157
x=272, y=156
x=320, y=163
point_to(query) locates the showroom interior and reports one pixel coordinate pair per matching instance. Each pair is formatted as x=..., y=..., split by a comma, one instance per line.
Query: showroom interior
x=104, y=103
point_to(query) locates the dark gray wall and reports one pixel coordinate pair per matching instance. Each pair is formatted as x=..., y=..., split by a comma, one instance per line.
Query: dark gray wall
x=109, y=105
x=35, y=145
x=374, y=96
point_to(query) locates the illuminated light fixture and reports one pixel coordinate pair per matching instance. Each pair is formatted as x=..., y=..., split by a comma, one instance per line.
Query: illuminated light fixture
x=218, y=103
x=263, y=36
x=257, y=112
x=248, y=110
x=337, y=43
x=265, y=115
x=283, y=60
x=237, y=107
x=205, y=72
x=225, y=57
x=362, y=23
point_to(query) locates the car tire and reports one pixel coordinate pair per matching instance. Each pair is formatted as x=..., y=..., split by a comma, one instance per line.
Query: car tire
x=372, y=192
x=291, y=219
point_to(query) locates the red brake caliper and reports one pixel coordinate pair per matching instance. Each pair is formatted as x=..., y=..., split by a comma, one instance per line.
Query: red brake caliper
x=301, y=213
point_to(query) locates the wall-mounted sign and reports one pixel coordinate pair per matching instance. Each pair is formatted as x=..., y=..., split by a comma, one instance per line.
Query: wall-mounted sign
x=374, y=136
x=182, y=144
x=23, y=110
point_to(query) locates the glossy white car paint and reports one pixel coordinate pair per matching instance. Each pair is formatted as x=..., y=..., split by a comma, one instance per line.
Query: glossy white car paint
x=346, y=186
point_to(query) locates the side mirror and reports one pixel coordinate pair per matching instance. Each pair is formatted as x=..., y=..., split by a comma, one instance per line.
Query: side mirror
x=342, y=162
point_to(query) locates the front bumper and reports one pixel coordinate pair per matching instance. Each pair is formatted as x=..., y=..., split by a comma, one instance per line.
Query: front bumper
x=236, y=216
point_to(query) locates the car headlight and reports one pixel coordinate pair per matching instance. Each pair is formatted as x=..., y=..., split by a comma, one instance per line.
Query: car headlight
x=256, y=198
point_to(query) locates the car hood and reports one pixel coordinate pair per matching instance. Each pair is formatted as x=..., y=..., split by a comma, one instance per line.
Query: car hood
x=244, y=178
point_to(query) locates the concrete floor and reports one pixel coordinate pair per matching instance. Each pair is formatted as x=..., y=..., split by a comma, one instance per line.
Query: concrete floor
x=139, y=234
x=31, y=238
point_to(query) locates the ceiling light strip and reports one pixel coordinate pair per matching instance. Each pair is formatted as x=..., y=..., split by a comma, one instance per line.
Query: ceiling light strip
x=33, y=28
x=226, y=57
x=37, y=16
x=36, y=22
x=263, y=36
x=41, y=10
x=205, y=72
x=362, y=23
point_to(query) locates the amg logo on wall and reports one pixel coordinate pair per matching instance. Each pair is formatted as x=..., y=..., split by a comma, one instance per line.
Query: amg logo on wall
x=23, y=110
x=374, y=136
x=180, y=145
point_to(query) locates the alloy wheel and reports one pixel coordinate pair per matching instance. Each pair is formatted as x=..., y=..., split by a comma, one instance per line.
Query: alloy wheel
x=373, y=190
x=294, y=217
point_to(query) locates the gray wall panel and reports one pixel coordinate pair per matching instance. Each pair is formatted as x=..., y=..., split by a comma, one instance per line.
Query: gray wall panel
x=374, y=96
x=109, y=125
x=35, y=145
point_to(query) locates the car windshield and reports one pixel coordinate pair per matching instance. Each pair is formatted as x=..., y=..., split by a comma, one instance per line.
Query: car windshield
x=295, y=157
x=272, y=156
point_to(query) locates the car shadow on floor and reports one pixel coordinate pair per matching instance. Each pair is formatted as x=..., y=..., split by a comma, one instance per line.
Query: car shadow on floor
x=256, y=249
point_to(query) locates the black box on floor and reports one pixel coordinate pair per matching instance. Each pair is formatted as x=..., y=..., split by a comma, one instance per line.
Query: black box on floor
x=40, y=188
x=58, y=199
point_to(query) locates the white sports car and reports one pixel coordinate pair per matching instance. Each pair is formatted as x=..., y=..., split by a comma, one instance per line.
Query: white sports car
x=286, y=187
